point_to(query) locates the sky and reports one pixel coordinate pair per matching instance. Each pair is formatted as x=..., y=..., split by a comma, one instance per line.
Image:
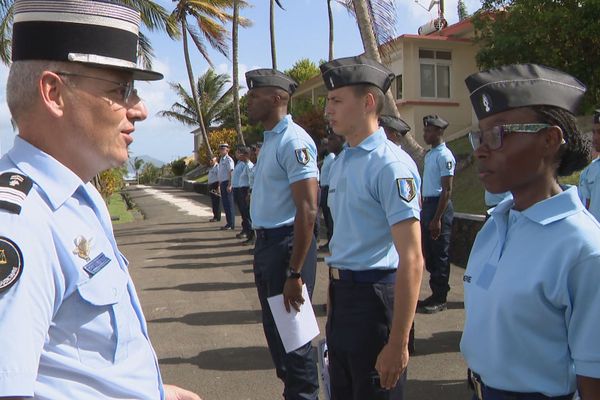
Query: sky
x=301, y=32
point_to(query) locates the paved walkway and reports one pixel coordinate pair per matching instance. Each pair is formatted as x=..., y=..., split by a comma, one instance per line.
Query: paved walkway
x=196, y=286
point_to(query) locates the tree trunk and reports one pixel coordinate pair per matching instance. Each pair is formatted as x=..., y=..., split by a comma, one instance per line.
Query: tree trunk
x=188, y=64
x=365, y=25
x=272, y=30
x=236, y=83
x=330, y=14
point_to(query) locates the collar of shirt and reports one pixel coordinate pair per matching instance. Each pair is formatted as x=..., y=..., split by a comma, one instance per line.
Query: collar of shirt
x=56, y=181
x=439, y=147
x=549, y=210
x=371, y=142
x=281, y=125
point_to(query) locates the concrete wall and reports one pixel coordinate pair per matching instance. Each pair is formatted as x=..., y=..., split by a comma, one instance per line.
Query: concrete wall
x=464, y=231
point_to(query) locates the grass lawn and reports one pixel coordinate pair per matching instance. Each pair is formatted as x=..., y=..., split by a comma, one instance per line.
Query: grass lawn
x=202, y=179
x=118, y=208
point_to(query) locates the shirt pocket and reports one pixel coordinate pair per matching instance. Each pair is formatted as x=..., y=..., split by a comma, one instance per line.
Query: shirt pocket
x=102, y=333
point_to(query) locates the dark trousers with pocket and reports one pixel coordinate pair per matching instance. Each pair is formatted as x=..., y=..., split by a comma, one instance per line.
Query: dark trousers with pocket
x=227, y=199
x=215, y=200
x=240, y=195
x=358, y=327
x=297, y=369
x=437, y=260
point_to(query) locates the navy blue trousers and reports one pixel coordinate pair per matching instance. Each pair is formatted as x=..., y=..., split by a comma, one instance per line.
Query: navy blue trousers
x=297, y=369
x=227, y=199
x=358, y=326
x=326, y=212
x=215, y=200
x=437, y=260
x=240, y=195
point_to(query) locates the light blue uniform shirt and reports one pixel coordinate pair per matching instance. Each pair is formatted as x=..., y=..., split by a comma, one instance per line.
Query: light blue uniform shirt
x=66, y=333
x=213, y=174
x=372, y=187
x=493, y=199
x=288, y=155
x=237, y=172
x=251, y=176
x=244, y=180
x=589, y=187
x=439, y=162
x=326, y=168
x=532, y=298
x=225, y=165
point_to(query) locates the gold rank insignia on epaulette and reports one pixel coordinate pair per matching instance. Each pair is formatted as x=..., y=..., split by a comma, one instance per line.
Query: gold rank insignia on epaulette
x=14, y=189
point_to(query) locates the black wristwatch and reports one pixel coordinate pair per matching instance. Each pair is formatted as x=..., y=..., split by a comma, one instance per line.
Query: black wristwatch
x=291, y=274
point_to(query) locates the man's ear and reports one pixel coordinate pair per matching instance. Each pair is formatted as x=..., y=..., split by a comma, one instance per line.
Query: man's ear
x=52, y=90
x=370, y=102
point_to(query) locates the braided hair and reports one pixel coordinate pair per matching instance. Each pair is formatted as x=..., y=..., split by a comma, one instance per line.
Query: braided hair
x=575, y=154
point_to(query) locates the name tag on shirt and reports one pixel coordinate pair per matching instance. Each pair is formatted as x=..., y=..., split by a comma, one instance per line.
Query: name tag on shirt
x=487, y=276
x=94, y=266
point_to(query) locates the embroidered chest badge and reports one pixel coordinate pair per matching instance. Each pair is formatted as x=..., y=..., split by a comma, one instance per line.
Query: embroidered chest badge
x=302, y=156
x=407, y=190
x=82, y=247
x=11, y=263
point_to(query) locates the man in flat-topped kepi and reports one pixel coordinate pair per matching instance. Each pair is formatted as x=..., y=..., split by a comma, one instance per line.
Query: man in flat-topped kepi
x=283, y=211
x=376, y=262
x=71, y=324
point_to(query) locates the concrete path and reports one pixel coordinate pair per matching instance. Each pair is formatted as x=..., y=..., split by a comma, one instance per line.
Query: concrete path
x=196, y=286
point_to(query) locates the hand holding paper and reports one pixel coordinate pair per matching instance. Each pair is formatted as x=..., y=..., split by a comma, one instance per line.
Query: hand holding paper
x=295, y=328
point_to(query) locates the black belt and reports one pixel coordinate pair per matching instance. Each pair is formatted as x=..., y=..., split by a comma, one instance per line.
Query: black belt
x=366, y=276
x=274, y=232
x=431, y=199
x=484, y=392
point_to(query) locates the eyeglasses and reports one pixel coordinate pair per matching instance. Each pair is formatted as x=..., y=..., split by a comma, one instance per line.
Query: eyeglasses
x=126, y=92
x=492, y=138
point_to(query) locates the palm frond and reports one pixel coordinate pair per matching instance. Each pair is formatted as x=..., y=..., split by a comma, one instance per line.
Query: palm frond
x=383, y=15
x=146, y=52
x=6, y=18
x=216, y=35
x=154, y=16
x=199, y=44
x=172, y=115
x=278, y=2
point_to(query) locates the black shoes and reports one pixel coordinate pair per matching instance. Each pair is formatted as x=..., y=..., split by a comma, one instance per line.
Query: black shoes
x=226, y=228
x=431, y=305
x=213, y=220
x=241, y=235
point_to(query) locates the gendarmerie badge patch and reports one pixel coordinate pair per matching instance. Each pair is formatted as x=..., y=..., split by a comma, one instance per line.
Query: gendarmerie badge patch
x=11, y=263
x=14, y=189
x=407, y=190
x=449, y=165
x=302, y=156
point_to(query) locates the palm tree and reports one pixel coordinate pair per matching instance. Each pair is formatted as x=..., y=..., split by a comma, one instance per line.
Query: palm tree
x=376, y=20
x=330, y=16
x=236, y=84
x=272, y=30
x=209, y=16
x=214, y=100
x=154, y=17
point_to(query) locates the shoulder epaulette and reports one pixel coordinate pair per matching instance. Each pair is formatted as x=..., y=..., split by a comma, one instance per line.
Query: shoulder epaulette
x=14, y=189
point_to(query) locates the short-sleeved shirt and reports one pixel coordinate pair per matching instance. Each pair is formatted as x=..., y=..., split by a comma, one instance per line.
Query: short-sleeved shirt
x=532, y=298
x=237, y=172
x=439, y=162
x=213, y=174
x=288, y=155
x=225, y=166
x=245, y=174
x=325, y=168
x=589, y=187
x=372, y=187
x=71, y=326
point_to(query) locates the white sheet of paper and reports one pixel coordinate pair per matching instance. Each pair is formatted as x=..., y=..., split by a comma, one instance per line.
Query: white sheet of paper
x=295, y=328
